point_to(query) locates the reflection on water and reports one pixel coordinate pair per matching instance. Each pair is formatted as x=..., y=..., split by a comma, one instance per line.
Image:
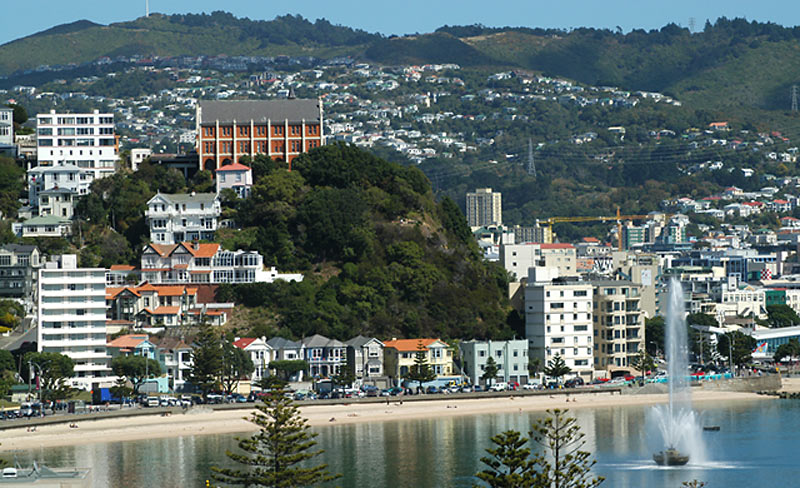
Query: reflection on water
x=753, y=444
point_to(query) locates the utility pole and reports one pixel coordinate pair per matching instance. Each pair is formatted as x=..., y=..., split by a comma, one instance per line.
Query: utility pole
x=794, y=98
x=531, y=159
x=691, y=25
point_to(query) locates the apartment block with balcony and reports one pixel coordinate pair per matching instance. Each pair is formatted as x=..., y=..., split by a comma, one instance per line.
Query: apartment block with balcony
x=518, y=258
x=85, y=140
x=618, y=321
x=72, y=318
x=182, y=217
x=558, y=320
x=484, y=208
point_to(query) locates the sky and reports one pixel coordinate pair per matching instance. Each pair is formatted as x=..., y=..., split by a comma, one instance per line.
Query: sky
x=410, y=16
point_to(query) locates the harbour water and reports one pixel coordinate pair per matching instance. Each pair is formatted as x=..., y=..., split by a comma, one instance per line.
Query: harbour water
x=755, y=446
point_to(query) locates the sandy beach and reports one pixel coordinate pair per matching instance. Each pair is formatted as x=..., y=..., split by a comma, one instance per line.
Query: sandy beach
x=198, y=421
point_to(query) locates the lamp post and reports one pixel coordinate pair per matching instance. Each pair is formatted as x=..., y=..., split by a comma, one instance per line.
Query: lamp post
x=730, y=354
x=31, y=366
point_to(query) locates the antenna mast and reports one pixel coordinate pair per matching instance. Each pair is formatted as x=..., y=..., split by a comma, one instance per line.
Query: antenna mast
x=794, y=98
x=531, y=159
x=147, y=8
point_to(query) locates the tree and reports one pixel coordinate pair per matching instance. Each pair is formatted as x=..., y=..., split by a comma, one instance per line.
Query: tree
x=53, y=370
x=789, y=350
x=556, y=368
x=278, y=456
x=510, y=464
x=136, y=369
x=285, y=369
x=782, y=316
x=236, y=364
x=121, y=389
x=566, y=464
x=654, y=335
x=534, y=365
x=206, y=360
x=344, y=379
x=421, y=371
x=490, y=371
x=643, y=362
x=737, y=344
x=20, y=114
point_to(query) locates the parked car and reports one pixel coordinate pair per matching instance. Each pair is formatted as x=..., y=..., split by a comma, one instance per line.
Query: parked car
x=431, y=390
x=466, y=389
x=501, y=386
x=477, y=388
x=532, y=386
x=574, y=382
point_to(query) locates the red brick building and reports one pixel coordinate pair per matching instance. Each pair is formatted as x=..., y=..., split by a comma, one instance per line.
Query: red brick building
x=283, y=129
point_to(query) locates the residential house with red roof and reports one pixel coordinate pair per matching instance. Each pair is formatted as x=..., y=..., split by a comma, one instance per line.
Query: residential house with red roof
x=260, y=353
x=206, y=263
x=399, y=356
x=148, y=305
x=236, y=177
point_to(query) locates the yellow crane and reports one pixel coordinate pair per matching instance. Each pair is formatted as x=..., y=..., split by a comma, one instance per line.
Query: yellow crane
x=547, y=224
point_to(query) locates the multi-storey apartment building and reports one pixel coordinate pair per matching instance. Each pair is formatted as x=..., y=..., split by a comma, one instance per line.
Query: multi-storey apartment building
x=518, y=258
x=282, y=129
x=484, y=208
x=7, y=132
x=618, y=323
x=182, y=217
x=72, y=317
x=558, y=320
x=84, y=140
x=192, y=262
x=511, y=358
x=19, y=265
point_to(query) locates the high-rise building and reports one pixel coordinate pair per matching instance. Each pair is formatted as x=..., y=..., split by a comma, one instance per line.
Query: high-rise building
x=558, y=320
x=484, y=208
x=618, y=323
x=72, y=317
x=282, y=129
x=83, y=140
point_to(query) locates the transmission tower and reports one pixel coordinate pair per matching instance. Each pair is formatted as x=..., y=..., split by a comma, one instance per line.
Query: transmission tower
x=531, y=159
x=147, y=8
x=691, y=25
x=794, y=98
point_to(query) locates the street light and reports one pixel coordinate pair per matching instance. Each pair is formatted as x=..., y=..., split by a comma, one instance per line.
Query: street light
x=31, y=364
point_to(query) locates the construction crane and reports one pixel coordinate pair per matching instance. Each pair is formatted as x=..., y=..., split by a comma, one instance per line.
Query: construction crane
x=547, y=224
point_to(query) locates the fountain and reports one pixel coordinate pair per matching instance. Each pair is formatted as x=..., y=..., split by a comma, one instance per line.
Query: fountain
x=676, y=421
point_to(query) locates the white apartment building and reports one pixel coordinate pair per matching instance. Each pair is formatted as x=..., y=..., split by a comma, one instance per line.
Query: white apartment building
x=484, y=208
x=558, y=320
x=72, y=318
x=7, y=131
x=517, y=258
x=192, y=262
x=511, y=358
x=182, y=217
x=84, y=140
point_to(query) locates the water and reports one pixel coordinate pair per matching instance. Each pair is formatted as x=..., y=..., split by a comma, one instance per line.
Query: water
x=676, y=425
x=755, y=446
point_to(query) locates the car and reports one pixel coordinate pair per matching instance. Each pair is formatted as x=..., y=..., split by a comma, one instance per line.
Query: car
x=532, y=386
x=574, y=382
x=454, y=389
x=502, y=386
x=395, y=391
x=431, y=390
x=477, y=388
x=466, y=389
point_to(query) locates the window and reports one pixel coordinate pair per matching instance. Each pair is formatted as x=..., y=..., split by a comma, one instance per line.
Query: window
x=579, y=293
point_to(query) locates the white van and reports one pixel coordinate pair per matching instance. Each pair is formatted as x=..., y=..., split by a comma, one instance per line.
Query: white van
x=502, y=386
x=152, y=401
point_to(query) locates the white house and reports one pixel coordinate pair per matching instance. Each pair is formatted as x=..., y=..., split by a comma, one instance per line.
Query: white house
x=63, y=177
x=182, y=217
x=260, y=353
x=237, y=177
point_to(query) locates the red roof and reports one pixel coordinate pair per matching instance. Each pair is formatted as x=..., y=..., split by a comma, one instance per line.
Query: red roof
x=234, y=167
x=788, y=218
x=781, y=202
x=244, y=342
x=408, y=345
x=163, y=311
x=557, y=246
x=121, y=267
x=128, y=341
x=591, y=239
x=753, y=204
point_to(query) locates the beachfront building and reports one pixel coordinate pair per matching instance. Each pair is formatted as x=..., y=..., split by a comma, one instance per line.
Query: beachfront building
x=228, y=130
x=175, y=356
x=85, y=140
x=325, y=357
x=484, y=208
x=511, y=358
x=365, y=357
x=72, y=318
x=132, y=345
x=399, y=355
x=182, y=217
x=558, y=320
x=206, y=263
x=260, y=353
x=287, y=350
x=618, y=324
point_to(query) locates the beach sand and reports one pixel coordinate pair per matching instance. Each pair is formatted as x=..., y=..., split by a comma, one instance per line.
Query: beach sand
x=199, y=420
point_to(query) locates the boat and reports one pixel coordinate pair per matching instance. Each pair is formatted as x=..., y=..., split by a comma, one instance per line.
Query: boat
x=711, y=428
x=670, y=457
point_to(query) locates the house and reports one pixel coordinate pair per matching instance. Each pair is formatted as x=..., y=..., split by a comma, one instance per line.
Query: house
x=365, y=357
x=286, y=350
x=260, y=353
x=175, y=357
x=325, y=357
x=49, y=226
x=511, y=358
x=193, y=262
x=236, y=177
x=399, y=356
x=132, y=345
x=148, y=305
x=19, y=265
x=182, y=217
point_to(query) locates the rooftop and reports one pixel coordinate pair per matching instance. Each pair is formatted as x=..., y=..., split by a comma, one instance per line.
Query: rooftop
x=293, y=110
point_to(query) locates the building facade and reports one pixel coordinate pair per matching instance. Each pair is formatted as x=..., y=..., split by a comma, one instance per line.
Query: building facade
x=19, y=270
x=511, y=358
x=51, y=185
x=85, y=140
x=236, y=177
x=325, y=357
x=282, y=129
x=618, y=321
x=484, y=208
x=7, y=131
x=72, y=318
x=365, y=357
x=182, y=217
x=518, y=258
x=399, y=356
x=558, y=320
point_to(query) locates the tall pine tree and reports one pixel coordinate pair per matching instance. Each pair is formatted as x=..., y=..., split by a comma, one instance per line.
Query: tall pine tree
x=276, y=457
x=206, y=360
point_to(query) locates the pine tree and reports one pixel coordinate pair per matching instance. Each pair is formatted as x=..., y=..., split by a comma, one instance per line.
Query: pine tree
x=276, y=456
x=562, y=437
x=490, y=371
x=206, y=360
x=556, y=368
x=421, y=371
x=510, y=464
